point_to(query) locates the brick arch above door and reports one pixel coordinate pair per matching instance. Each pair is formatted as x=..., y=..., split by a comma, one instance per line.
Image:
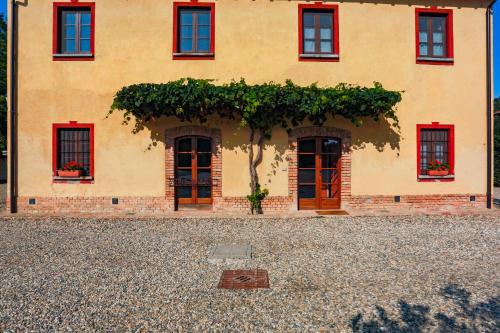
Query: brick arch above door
x=171, y=134
x=320, y=131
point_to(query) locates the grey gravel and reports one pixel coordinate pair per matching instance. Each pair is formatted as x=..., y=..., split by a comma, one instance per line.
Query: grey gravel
x=335, y=274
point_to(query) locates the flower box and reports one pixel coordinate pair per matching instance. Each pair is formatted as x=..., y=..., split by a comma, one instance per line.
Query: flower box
x=69, y=173
x=439, y=173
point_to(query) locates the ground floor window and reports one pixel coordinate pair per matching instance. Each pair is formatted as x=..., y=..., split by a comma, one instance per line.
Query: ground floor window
x=73, y=144
x=193, y=170
x=435, y=146
x=319, y=173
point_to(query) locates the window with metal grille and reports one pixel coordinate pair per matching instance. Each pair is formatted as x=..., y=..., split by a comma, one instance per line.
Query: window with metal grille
x=73, y=142
x=434, y=146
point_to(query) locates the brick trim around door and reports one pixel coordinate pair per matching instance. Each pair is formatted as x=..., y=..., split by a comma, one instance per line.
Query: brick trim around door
x=192, y=130
x=320, y=131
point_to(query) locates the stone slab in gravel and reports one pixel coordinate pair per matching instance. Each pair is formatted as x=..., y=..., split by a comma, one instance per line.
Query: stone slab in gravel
x=335, y=274
x=230, y=252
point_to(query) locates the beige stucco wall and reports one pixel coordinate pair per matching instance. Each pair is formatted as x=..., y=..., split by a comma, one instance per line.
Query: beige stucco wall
x=256, y=40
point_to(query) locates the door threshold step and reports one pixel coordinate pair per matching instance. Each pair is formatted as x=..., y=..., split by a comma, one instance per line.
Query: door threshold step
x=332, y=212
x=194, y=207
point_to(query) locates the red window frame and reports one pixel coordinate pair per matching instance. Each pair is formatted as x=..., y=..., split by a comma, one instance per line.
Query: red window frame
x=449, y=36
x=335, y=17
x=58, y=7
x=451, y=149
x=193, y=4
x=72, y=124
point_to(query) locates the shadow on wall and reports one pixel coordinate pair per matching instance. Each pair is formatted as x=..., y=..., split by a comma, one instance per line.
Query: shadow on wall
x=467, y=317
x=379, y=134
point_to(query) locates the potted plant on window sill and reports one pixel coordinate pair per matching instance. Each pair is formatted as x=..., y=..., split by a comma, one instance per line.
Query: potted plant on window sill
x=71, y=170
x=438, y=169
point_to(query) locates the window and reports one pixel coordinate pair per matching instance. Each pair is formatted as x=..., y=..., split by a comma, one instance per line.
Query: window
x=194, y=30
x=73, y=31
x=435, y=143
x=73, y=142
x=318, y=32
x=434, y=35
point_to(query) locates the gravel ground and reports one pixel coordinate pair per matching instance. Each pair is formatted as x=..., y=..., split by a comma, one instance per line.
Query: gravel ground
x=340, y=274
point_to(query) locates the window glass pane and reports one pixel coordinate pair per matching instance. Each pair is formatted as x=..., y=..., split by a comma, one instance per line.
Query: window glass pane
x=204, y=159
x=69, y=18
x=204, y=18
x=329, y=161
x=204, y=177
x=186, y=45
x=307, y=161
x=309, y=46
x=85, y=31
x=308, y=20
x=433, y=147
x=330, y=146
x=422, y=36
x=69, y=31
x=307, y=146
x=307, y=176
x=307, y=191
x=184, y=177
x=85, y=45
x=309, y=33
x=186, y=31
x=326, y=33
x=422, y=22
x=326, y=20
x=184, y=145
x=69, y=46
x=328, y=176
x=186, y=17
x=184, y=192
x=204, y=145
x=326, y=47
x=184, y=160
x=438, y=50
x=329, y=191
x=203, y=45
x=203, y=31
x=85, y=18
x=204, y=192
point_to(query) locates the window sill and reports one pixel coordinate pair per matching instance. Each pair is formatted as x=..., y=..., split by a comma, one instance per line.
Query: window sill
x=193, y=56
x=73, y=180
x=318, y=57
x=426, y=178
x=73, y=57
x=435, y=61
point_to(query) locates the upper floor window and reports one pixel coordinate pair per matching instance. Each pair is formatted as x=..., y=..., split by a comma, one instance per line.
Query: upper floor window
x=73, y=31
x=436, y=150
x=194, y=30
x=434, y=29
x=73, y=143
x=318, y=32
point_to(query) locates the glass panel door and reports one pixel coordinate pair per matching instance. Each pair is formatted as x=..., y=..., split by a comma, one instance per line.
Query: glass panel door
x=193, y=170
x=319, y=173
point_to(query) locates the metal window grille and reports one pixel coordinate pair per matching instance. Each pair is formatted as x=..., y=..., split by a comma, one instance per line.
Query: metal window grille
x=73, y=144
x=434, y=146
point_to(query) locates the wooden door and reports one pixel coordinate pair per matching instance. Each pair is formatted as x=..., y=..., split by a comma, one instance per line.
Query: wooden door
x=193, y=170
x=319, y=173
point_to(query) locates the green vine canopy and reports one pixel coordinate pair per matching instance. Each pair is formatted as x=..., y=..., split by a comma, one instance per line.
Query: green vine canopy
x=260, y=107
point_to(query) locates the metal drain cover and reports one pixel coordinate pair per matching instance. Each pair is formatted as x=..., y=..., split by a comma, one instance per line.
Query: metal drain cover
x=244, y=279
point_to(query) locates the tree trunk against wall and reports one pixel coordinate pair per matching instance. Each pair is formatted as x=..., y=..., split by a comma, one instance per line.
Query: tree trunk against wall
x=254, y=162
